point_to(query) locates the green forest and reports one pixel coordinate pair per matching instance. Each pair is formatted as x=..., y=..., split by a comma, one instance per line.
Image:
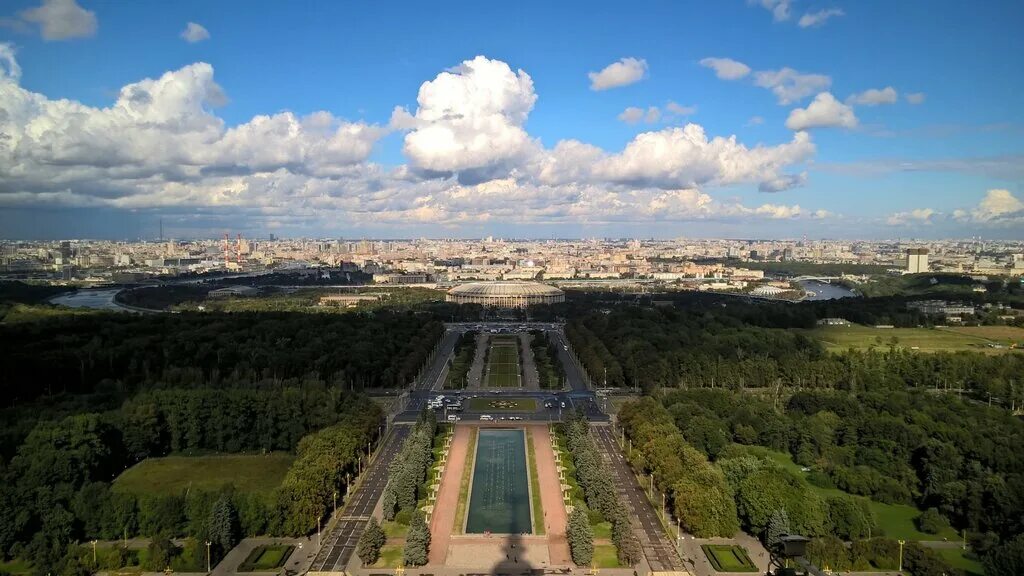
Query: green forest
x=89, y=395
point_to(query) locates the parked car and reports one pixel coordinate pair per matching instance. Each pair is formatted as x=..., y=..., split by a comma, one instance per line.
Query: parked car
x=486, y=417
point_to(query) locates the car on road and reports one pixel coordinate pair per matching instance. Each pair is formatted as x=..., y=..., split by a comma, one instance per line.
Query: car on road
x=453, y=418
x=487, y=417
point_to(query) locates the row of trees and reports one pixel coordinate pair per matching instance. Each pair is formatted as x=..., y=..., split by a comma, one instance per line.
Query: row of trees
x=545, y=356
x=461, y=360
x=76, y=354
x=409, y=469
x=743, y=346
x=697, y=491
x=599, y=490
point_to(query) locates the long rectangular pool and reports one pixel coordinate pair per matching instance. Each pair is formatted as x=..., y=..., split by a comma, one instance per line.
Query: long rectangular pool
x=499, y=499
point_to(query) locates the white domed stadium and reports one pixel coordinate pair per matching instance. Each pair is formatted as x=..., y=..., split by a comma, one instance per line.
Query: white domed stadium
x=505, y=294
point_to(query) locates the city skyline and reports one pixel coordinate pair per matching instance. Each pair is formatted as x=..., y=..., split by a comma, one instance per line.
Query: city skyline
x=763, y=119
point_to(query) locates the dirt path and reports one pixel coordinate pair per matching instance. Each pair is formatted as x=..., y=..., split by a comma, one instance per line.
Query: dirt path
x=443, y=520
x=551, y=497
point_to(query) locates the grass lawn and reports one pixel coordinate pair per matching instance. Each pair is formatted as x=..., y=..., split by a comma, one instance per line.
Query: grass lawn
x=602, y=530
x=390, y=556
x=266, y=558
x=963, y=560
x=394, y=529
x=16, y=566
x=896, y=520
x=923, y=339
x=175, y=474
x=535, y=501
x=605, y=556
x=1003, y=334
x=728, y=558
x=503, y=363
x=484, y=404
x=467, y=473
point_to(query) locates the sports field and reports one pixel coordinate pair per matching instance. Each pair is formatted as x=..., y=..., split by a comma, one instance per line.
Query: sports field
x=503, y=362
x=921, y=339
x=499, y=501
x=175, y=474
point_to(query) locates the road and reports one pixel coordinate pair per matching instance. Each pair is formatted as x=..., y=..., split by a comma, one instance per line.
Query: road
x=659, y=551
x=579, y=396
x=340, y=542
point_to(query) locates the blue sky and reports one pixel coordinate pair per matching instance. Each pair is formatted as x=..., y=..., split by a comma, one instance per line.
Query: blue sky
x=949, y=165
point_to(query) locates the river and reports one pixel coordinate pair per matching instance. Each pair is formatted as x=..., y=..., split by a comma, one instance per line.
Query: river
x=97, y=298
x=824, y=291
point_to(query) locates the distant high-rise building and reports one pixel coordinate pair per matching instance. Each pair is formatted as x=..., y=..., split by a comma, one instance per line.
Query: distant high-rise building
x=917, y=260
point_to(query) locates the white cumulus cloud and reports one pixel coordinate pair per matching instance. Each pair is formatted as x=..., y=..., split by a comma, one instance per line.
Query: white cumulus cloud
x=823, y=112
x=919, y=216
x=622, y=73
x=915, y=97
x=820, y=17
x=998, y=205
x=471, y=117
x=874, y=97
x=161, y=146
x=61, y=20
x=678, y=157
x=726, y=68
x=778, y=8
x=194, y=33
x=790, y=86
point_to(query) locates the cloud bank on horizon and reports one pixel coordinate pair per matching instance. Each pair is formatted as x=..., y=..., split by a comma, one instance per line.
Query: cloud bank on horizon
x=469, y=156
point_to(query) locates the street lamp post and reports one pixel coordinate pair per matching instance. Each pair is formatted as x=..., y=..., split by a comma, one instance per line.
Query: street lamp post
x=94, y=552
x=902, y=542
x=318, y=531
x=208, y=555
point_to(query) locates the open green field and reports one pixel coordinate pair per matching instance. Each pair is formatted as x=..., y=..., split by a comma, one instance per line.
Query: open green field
x=728, y=558
x=923, y=339
x=266, y=558
x=1002, y=334
x=961, y=559
x=502, y=405
x=175, y=474
x=503, y=363
x=896, y=520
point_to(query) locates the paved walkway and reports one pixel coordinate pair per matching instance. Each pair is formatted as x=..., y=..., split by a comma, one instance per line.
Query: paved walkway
x=555, y=519
x=443, y=520
x=531, y=379
x=476, y=370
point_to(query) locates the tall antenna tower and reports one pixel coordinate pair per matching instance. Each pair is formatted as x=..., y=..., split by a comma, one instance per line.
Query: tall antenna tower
x=227, y=250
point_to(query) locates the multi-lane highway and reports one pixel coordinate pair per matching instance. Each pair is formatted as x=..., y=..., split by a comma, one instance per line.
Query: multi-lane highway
x=340, y=542
x=577, y=397
x=660, y=553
